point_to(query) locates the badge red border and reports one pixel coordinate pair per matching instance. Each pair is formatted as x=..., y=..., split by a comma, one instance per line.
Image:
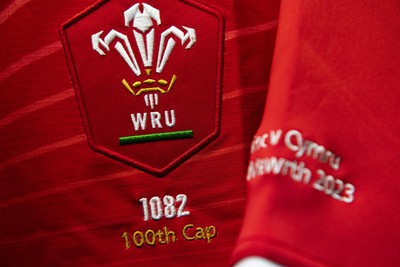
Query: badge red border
x=75, y=81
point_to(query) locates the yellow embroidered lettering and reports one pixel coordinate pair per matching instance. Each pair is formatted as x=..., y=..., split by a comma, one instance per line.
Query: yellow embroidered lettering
x=126, y=239
x=164, y=236
x=150, y=237
x=211, y=232
x=138, y=239
x=185, y=232
x=169, y=234
x=200, y=233
x=160, y=236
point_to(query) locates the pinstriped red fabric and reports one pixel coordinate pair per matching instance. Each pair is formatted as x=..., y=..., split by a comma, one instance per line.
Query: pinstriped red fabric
x=64, y=205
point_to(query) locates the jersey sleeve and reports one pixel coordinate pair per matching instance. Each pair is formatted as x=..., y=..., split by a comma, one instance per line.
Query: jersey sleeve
x=322, y=178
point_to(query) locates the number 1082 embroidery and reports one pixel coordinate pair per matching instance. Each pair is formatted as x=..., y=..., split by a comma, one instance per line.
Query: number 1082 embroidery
x=168, y=207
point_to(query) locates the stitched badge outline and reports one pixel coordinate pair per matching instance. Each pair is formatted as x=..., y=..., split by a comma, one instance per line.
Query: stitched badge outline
x=149, y=89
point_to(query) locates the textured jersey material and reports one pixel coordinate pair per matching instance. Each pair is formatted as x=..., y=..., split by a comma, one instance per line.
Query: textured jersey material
x=323, y=185
x=63, y=204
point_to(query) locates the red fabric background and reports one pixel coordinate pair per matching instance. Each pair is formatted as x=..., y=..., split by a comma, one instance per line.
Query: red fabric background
x=335, y=78
x=62, y=204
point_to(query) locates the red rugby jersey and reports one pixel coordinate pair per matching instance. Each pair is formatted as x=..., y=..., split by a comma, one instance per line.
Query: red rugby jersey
x=323, y=179
x=64, y=204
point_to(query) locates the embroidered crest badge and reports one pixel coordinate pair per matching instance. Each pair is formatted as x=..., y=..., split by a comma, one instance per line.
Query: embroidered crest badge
x=147, y=78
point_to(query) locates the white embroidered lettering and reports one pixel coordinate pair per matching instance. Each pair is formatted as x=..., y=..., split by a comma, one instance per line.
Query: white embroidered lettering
x=170, y=122
x=139, y=121
x=183, y=200
x=272, y=165
x=295, y=142
x=155, y=119
x=262, y=141
x=251, y=171
x=156, y=209
x=335, y=188
x=334, y=162
x=170, y=210
x=275, y=137
x=294, y=146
